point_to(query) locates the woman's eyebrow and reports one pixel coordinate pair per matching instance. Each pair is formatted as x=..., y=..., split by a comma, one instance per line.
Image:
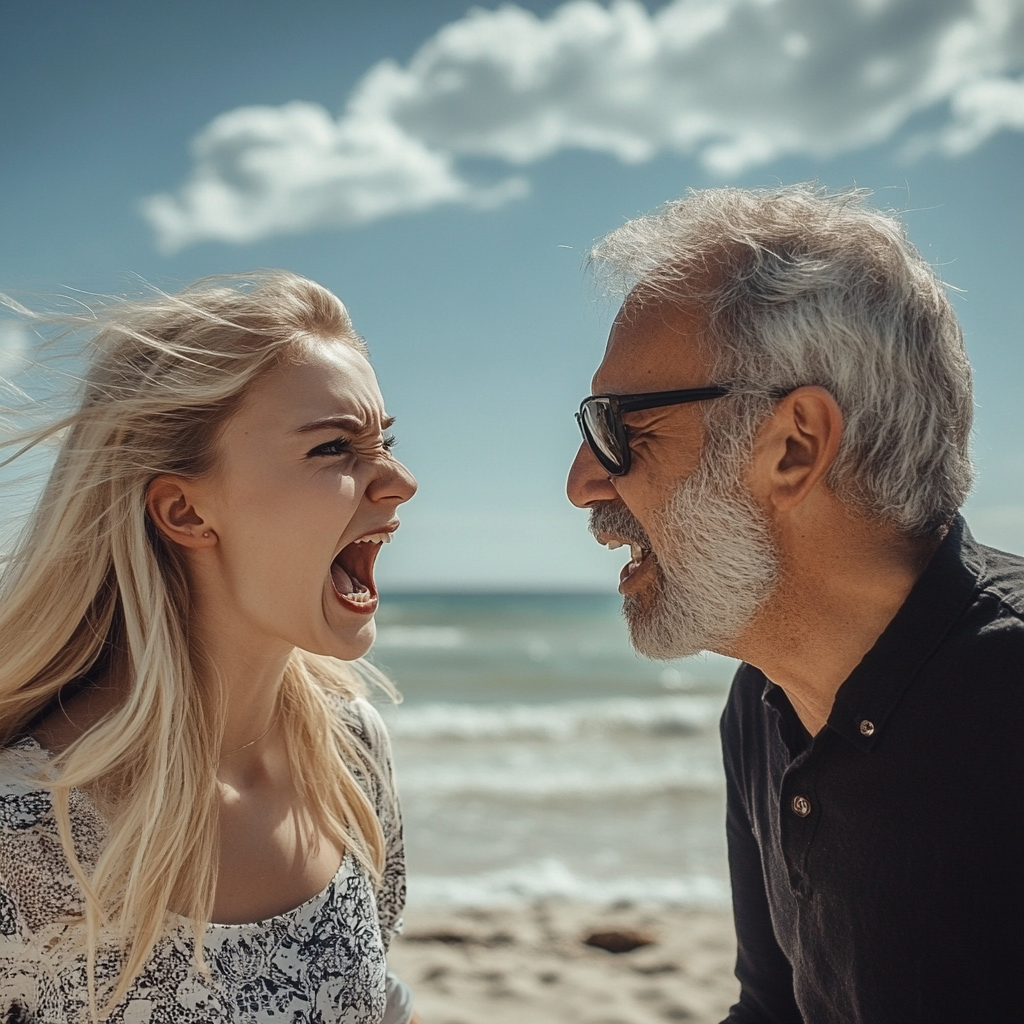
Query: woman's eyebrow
x=353, y=424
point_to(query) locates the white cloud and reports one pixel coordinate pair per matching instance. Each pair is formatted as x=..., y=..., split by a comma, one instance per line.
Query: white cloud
x=14, y=349
x=735, y=82
x=269, y=170
x=982, y=108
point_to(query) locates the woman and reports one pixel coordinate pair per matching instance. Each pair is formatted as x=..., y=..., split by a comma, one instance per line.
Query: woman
x=197, y=816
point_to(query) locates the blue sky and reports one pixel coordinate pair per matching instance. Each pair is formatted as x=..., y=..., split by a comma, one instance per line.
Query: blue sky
x=445, y=173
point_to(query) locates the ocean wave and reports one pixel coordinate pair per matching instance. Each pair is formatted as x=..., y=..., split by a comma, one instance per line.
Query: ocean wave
x=421, y=637
x=557, y=781
x=552, y=879
x=676, y=715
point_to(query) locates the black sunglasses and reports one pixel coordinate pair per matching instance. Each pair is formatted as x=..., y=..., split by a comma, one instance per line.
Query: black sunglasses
x=600, y=420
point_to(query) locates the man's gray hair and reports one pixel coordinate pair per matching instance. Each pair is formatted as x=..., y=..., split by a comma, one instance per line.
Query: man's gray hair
x=799, y=287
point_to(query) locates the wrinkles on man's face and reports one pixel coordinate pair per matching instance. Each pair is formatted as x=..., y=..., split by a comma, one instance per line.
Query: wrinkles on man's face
x=612, y=517
x=715, y=563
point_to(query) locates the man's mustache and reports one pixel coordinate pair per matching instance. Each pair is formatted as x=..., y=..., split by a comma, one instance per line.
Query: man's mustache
x=614, y=517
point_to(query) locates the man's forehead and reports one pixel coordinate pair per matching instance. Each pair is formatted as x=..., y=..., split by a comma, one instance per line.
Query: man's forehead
x=653, y=345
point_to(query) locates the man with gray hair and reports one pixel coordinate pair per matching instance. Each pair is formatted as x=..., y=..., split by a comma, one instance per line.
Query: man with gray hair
x=780, y=431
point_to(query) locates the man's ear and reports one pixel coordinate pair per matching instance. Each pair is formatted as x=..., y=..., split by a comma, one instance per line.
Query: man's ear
x=796, y=447
x=169, y=502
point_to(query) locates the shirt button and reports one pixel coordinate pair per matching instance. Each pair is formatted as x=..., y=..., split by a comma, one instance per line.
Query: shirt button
x=801, y=806
x=867, y=728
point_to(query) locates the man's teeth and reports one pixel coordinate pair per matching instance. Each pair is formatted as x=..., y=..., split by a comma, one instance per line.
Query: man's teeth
x=374, y=538
x=637, y=551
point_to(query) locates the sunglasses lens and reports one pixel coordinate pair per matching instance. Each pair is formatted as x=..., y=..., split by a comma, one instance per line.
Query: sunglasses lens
x=599, y=428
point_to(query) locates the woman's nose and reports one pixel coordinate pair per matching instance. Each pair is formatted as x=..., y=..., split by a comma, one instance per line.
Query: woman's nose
x=393, y=483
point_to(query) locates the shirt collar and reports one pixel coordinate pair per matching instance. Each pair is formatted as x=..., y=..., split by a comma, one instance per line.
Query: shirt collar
x=937, y=600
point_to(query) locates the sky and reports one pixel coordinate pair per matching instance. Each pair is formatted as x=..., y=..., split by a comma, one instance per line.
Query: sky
x=445, y=170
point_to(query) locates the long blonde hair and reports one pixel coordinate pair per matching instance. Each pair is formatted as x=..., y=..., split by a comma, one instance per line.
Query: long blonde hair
x=92, y=590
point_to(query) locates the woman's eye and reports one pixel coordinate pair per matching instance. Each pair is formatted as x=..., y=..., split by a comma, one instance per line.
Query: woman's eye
x=343, y=446
x=339, y=446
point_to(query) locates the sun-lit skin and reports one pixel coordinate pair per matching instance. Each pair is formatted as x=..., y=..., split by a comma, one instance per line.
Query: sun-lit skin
x=295, y=490
x=650, y=348
x=844, y=576
x=303, y=470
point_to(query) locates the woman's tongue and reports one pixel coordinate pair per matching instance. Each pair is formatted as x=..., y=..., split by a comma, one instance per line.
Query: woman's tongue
x=348, y=578
x=342, y=580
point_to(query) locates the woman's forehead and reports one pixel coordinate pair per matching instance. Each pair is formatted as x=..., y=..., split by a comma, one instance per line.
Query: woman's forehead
x=329, y=379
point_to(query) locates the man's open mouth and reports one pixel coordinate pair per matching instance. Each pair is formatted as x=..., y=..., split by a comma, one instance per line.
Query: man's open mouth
x=352, y=573
x=638, y=554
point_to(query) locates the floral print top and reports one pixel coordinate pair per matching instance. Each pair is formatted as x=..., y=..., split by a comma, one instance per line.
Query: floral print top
x=321, y=963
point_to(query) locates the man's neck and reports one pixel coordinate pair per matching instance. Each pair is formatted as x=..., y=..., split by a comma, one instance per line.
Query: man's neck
x=841, y=586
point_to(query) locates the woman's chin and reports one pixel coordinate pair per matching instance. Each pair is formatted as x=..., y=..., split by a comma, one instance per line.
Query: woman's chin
x=346, y=634
x=347, y=645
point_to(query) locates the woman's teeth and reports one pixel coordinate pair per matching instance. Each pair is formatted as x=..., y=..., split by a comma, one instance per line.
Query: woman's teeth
x=352, y=570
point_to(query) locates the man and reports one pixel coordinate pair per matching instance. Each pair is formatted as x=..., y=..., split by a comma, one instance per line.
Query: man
x=783, y=441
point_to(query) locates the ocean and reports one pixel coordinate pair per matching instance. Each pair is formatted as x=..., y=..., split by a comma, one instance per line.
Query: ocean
x=538, y=756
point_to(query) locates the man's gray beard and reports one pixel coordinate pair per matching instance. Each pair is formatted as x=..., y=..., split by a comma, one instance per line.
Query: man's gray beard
x=717, y=565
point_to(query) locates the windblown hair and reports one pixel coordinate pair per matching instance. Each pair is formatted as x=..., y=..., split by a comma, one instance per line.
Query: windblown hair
x=797, y=287
x=92, y=591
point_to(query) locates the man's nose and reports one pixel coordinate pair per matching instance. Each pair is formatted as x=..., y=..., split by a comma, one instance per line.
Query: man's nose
x=588, y=480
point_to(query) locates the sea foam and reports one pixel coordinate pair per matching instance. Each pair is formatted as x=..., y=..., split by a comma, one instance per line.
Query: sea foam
x=552, y=879
x=675, y=715
x=528, y=782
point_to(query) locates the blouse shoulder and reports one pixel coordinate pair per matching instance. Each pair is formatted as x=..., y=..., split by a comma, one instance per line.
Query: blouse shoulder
x=24, y=803
x=378, y=782
x=366, y=722
x=373, y=746
x=37, y=888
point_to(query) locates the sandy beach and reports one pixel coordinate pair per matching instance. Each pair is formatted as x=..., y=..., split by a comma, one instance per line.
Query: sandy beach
x=562, y=787
x=533, y=966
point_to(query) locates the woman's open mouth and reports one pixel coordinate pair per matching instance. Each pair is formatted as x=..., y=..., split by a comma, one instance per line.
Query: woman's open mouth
x=352, y=573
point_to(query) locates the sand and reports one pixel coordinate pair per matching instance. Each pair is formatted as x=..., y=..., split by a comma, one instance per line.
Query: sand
x=531, y=966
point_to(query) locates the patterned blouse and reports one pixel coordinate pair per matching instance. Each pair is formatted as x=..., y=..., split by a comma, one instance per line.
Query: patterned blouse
x=321, y=963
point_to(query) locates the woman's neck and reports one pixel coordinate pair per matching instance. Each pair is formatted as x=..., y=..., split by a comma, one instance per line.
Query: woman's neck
x=247, y=669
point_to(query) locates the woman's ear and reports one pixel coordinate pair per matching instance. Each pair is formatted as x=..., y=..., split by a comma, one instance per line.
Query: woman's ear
x=169, y=502
x=796, y=447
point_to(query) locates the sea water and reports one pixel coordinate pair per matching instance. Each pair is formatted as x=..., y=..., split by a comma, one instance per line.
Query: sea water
x=538, y=756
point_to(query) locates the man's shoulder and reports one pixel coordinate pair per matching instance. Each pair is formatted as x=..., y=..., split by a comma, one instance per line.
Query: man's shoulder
x=745, y=698
x=1002, y=579
x=990, y=631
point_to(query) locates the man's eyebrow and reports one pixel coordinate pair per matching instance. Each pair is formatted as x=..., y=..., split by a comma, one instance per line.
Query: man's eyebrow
x=352, y=424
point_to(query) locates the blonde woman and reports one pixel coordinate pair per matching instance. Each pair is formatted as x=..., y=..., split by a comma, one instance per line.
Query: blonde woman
x=197, y=815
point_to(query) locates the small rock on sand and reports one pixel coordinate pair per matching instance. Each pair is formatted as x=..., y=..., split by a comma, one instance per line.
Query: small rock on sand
x=532, y=964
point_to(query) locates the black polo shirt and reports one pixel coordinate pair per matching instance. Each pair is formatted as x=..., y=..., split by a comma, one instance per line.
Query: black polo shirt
x=877, y=868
